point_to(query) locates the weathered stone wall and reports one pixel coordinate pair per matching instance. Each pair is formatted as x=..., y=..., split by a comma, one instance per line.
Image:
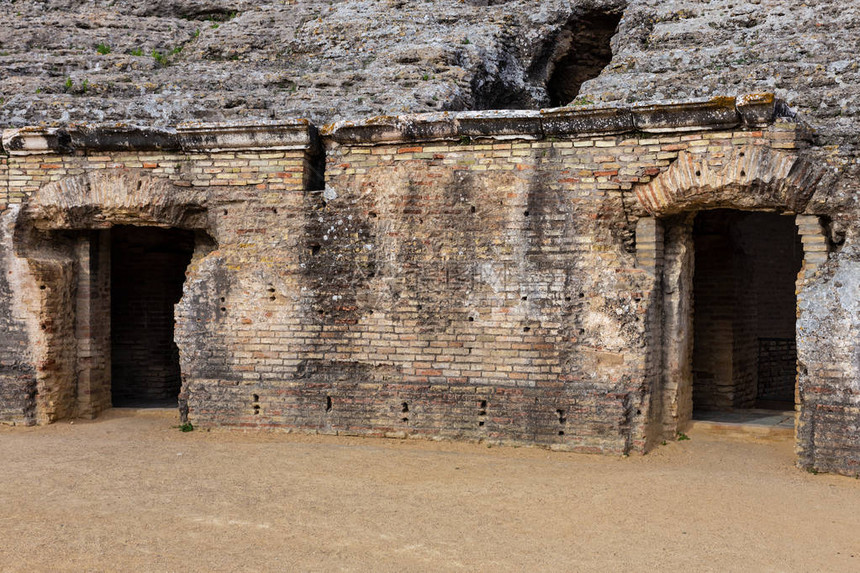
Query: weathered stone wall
x=17, y=372
x=829, y=369
x=478, y=288
x=481, y=276
x=52, y=200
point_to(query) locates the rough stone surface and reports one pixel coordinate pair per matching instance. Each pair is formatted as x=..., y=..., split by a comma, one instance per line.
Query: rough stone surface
x=341, y=60
x=317, y=59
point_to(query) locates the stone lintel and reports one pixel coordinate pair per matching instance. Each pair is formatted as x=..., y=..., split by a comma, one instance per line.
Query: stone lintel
x=190, y=137
x=716, y=113
x=586, y=120
x=271, y=136
x=502, y=124
x=754, y=110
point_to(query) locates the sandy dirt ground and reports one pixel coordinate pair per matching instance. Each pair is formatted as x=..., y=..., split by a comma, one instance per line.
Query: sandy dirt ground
x=130, y=492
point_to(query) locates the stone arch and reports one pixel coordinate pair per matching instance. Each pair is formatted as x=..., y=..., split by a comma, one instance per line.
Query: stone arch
x=60, y=234
x=100, y=199
x=750, y=177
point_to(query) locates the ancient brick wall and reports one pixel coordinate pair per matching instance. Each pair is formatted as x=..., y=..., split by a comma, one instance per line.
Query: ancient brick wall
x=479, y=276
x=777, y=368
x=56, y=199
x=464, y=287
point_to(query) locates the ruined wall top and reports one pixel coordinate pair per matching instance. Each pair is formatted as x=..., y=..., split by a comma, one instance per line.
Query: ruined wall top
x=755, y=110
x=186, y=137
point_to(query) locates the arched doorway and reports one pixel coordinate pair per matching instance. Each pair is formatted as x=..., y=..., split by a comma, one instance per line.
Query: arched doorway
x=744, y=311
x=107, y=253
x=728, y=251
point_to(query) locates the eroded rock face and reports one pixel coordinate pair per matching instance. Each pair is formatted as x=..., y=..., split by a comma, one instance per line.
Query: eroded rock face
x=219, y=59
x=802, y=51
x=172, y=61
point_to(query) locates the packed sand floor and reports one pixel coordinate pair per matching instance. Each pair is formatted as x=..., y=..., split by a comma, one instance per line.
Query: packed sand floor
x=130, y=492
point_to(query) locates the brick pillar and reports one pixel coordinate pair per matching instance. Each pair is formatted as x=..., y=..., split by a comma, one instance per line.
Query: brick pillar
x=814, y=241
x=649, y=244
x=92, y=323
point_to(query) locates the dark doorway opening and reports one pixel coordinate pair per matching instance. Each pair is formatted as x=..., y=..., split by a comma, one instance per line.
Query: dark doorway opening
x=744, y=350
x=581, y=52
x=147, y=272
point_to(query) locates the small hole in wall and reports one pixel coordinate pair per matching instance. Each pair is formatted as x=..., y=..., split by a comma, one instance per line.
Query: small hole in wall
x=481, y=423
x=43, y=326
x=42, y=287
x=742, y=154
x=483, y=404
x=323, y=203
x=472, y=209
x=582, y=295
x=328, y=403
x=275, y=210
x=256, y=409
x=139, y=185
x=404, y=420
x=743, y=173
x=223, y=309
x=223, y=299
x=567, y=298
x=525, y=213
x=404, y=407
x=525, y=298
x=698, y=173
x=471, y=319
x=256, y=397
x=561, y=432
x=372, y=215
x=315, y=249
x=225, y=211
x=561, y=417
x=526, y=329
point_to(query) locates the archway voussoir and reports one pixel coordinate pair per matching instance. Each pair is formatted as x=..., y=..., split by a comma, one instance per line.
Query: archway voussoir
x=751, y=177
x=103, y=198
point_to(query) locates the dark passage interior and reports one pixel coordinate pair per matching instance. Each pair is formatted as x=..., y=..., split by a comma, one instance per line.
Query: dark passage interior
x=147, y=271
x=581, y=52
x=744, y=353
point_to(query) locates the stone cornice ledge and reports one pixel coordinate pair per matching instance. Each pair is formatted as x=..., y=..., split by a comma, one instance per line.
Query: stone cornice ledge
x=187, y=137
x=755, y=110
